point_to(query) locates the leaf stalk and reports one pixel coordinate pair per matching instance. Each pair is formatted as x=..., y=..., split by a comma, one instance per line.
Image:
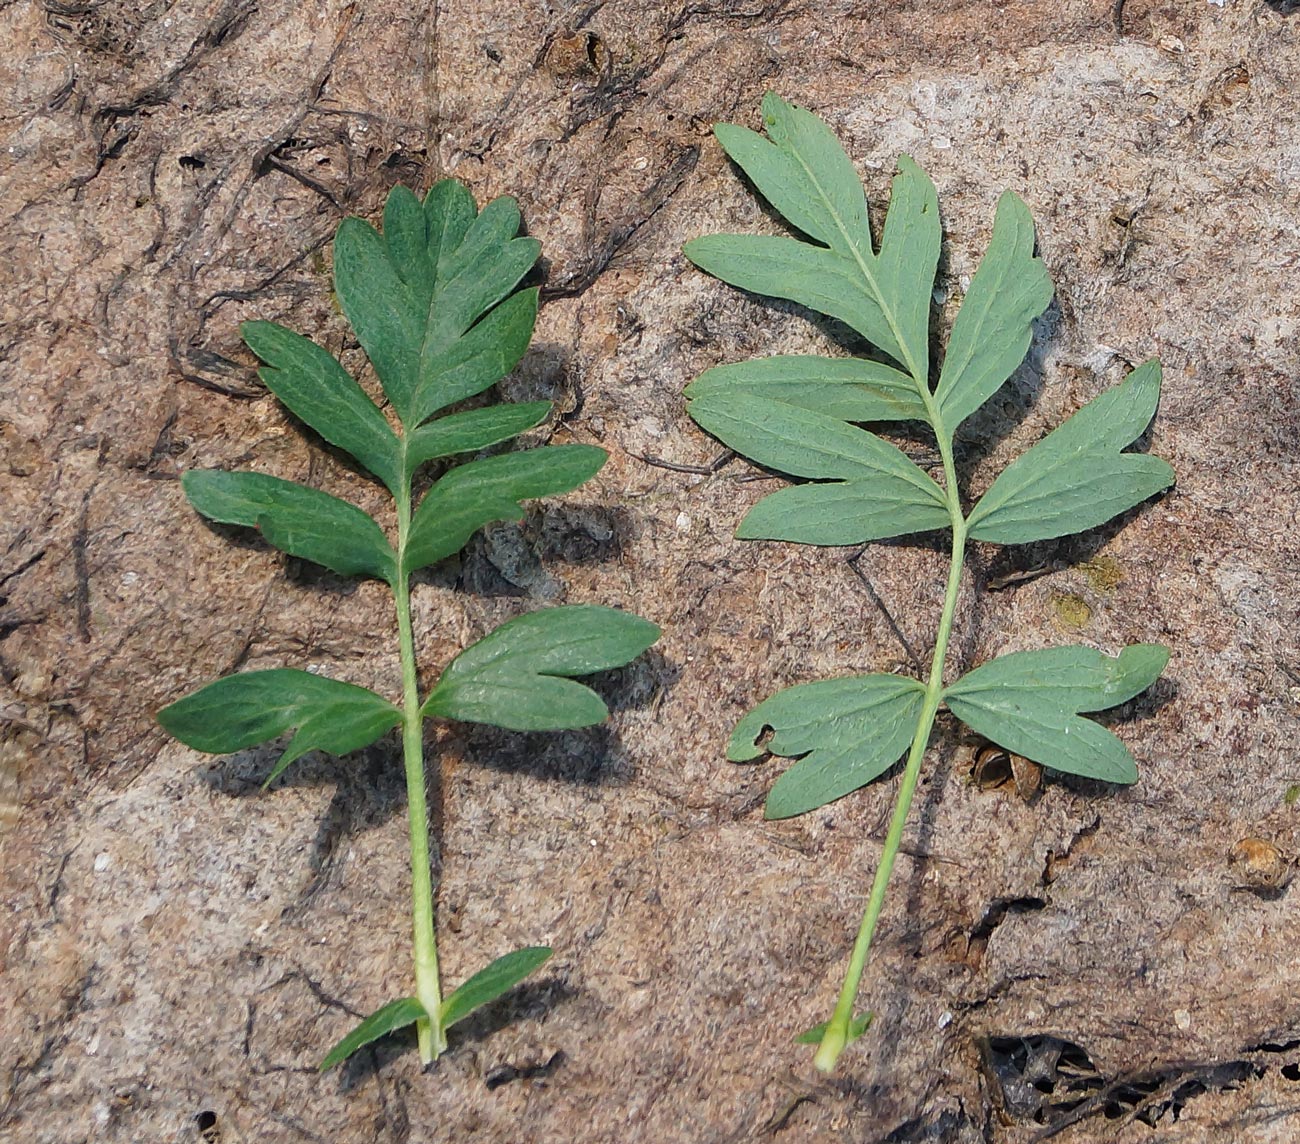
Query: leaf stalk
x=431, y=1038
x=837, y=1035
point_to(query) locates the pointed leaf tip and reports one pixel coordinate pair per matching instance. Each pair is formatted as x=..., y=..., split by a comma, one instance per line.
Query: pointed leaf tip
x=393, y=1016
x=491, y=982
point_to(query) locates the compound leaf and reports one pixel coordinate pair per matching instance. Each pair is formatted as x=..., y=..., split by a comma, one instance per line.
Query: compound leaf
x=850, y=389
x=1076, y=478
x=414, y=291
x=393, y=1016
x=300, y=521
x=253, y=707
x=319, y=391
x=472, y=430
x=490, y=982
x=849, y=731
x=515, y=677
x=1028, y=702
x=479, y=492
x=994, y=325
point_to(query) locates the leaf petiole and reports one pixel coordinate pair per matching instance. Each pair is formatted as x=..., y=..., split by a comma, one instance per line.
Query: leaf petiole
x=839, y=1030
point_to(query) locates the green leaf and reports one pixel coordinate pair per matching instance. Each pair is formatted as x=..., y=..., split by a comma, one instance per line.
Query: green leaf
x=393, y=1016
x=320, y=392
x=253, y=707
x=842, y=512
x=851, y=389
x=489, y=983
x=479, y=492
x=857, y=1026
x=995, y=323
x=414, y=292
x=1028, y=702
x=805, y=174
x=300, y=521
x=472, y=430
x=1076, y=478
x=882, y=494
x=849, y=731
x=509, y=678
x=909, y=256
x=814, y=277
x=470, y=364
x=807, y=444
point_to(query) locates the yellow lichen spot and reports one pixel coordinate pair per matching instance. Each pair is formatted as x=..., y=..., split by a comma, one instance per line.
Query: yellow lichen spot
x=1104, y=573
x=1072, y=612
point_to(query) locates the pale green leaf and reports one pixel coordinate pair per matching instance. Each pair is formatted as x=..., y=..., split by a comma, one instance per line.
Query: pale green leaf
x=516, y=677
x=803, y=172
x=393, y=1016
x=491, y=982
x=994, y=325
x=842, y=512
x=1076, y=477
x=303, y=522
x=480, y=492
x=320, y=392
x=849, y=731
x=909, y=256
x=821, y=279
x=253, y=707
x=807, y=444
x=1028, y=702
x=851, y=389
x=472, y=430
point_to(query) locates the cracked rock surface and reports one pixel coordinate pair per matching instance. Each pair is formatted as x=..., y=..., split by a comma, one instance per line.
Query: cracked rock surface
x=177, y=948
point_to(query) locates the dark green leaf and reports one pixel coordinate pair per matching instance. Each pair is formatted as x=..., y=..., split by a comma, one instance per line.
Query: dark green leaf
x=857, y=1026
x=389, y=316
x=1076, y=478
x=994, y=325
x=489, y=351
x=851, y=389
x=319, y=391
x=300, y=521
x=473, y=430
x=1028, y=702
x=842, y=512
x=479, y=492
x=413, y=293
x=820, y=279
x=803, y=172
x=253, y=707
x=488, y=984
x=849, y=731
x=509, y=678
x=393, y=1016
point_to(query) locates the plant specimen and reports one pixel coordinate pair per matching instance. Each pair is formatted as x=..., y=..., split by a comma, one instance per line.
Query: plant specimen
x=433, y=302
x=800, y=415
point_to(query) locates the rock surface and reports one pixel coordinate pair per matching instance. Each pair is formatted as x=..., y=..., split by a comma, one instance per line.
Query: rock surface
x=177, y=948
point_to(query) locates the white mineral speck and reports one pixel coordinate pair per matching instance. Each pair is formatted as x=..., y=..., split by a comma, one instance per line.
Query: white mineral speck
x=101, y=862
x=1183, y=1019
x=683, y=521
x=945, y=1019
x=941, y=142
